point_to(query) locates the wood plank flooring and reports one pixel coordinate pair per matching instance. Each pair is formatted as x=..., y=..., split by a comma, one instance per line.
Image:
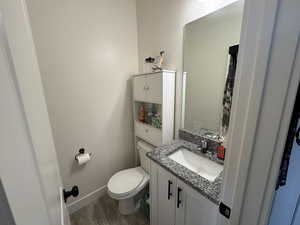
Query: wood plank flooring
x=105, y=212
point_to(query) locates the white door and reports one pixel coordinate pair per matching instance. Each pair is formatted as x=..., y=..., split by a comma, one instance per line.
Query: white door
x=286, y=202
x=166, y=184
x=30, y=179
x=267, y=81
x=192, y=208
x=155, y=88
x=139, y=88
x=296, y=218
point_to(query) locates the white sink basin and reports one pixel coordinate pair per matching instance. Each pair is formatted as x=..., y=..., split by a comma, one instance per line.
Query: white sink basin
x=206, y=168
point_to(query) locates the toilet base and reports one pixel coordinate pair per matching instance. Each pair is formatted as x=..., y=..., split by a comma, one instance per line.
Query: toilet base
x=128, y=206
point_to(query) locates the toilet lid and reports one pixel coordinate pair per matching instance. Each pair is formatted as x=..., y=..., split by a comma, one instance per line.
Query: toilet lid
x=126, y=180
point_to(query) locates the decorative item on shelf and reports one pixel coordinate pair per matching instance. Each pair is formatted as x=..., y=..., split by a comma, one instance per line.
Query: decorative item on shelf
x=149, y=116
x=82, y=157
x=156, y=121
x=159, y=60
x=153, y=109
x=142, y=114
x=151, y=113
x=147, y=111
x=148, y=63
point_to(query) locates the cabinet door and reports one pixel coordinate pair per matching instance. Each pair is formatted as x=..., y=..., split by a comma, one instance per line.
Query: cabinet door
x=139, y=88
x=166, y=198
x=154, y=88
x=148, y=133
x=193, y=208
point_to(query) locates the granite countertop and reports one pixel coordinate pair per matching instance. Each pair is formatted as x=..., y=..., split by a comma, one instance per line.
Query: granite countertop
x=210, y=190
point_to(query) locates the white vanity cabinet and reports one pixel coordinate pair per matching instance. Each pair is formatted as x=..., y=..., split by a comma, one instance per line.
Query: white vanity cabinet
x=194, y=208
x=175, y=203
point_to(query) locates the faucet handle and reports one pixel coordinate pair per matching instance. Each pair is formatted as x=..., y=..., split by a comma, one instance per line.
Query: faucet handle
x=203, y=144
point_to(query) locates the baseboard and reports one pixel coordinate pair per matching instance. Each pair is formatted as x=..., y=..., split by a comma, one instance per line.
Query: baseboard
x=87, y=199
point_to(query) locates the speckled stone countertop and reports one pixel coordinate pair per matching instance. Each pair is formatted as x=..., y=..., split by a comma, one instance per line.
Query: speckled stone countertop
x=210, y=190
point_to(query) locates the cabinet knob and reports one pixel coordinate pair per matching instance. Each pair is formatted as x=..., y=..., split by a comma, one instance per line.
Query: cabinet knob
x=147, y=130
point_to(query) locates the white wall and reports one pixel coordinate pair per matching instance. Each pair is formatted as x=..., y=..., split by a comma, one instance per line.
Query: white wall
x=160, y=26
x=206, y=46
x=87, y=51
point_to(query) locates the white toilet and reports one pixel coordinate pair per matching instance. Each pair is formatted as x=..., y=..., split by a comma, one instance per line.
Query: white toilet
x=125, y=185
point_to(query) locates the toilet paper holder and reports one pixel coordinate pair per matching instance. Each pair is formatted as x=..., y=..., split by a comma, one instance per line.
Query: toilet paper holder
x=81, y=152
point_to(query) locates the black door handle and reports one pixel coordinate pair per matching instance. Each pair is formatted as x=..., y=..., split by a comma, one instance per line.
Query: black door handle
x=178, y=197
x=74, y=192
x=169, y=189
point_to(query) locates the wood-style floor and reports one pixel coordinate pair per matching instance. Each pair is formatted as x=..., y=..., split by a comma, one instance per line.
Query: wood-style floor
x=105, y=212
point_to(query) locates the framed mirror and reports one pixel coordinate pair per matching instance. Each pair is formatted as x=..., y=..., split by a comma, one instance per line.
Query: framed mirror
x=210, y=52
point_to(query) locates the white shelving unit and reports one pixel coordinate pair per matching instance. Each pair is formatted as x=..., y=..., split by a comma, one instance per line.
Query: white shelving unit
x=159, y=89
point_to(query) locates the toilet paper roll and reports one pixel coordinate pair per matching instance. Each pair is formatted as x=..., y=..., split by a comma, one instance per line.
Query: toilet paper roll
x=83, y=158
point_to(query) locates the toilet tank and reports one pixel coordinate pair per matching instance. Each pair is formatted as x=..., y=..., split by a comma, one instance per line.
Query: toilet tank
x=143, y=148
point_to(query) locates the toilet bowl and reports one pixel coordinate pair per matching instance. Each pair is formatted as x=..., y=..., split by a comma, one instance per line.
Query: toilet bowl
x=126, y=185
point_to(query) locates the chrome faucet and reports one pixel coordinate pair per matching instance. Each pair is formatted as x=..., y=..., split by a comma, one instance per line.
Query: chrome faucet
x=203, y=146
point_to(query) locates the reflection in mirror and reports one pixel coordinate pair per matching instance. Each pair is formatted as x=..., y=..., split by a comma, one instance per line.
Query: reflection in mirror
x=210, y=54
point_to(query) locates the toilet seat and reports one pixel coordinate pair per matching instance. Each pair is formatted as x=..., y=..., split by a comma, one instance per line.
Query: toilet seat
x=127, y=183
